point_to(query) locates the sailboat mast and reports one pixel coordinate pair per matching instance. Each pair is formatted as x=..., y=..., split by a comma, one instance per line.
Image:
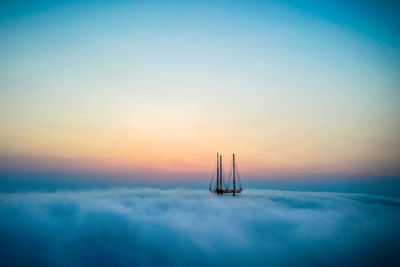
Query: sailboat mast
x=217, y=182
x=234, y=180
x=220, y=172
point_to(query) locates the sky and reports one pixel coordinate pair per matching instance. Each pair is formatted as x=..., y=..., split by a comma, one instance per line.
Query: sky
x=294, y=88
x=151, y=227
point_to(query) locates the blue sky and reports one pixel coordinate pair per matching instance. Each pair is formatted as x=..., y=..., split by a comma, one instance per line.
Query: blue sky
x=296, y=87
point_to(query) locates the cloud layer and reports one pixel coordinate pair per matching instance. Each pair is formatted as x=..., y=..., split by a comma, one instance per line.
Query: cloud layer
x=145, y=226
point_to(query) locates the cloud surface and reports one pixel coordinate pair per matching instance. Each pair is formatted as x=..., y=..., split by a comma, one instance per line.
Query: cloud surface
x=152, y=227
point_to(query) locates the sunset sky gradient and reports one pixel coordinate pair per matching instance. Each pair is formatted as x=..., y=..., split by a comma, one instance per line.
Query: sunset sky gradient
x=293, y=88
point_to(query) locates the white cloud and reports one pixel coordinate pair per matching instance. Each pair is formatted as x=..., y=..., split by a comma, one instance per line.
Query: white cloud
x=146, y=226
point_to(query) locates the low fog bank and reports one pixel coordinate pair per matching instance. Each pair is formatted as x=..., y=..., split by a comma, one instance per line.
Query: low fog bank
x=152, y=227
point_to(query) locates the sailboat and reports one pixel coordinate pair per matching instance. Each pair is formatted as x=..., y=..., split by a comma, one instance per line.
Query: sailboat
x=223, y=186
